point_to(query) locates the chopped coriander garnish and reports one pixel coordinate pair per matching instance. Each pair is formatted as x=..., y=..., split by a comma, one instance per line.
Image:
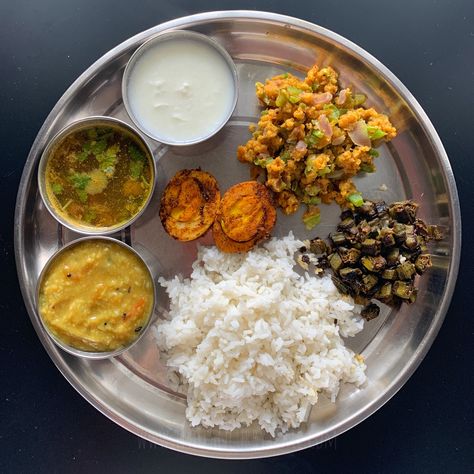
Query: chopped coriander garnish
x=91, y=147
x=98, y=147
x=82, y=195
x=108, y=159
x=137, y=161
x=135, y=153
x=136, y=168
x=57, y=188
x=80, y=180
x=83, y=155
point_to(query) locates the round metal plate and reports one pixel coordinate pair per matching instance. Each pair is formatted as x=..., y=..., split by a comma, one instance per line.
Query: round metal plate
x=132, y=389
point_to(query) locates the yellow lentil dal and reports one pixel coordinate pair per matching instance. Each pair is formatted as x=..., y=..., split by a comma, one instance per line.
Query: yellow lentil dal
x=96, y=296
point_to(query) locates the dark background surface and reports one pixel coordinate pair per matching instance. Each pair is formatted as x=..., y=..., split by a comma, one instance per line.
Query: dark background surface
x=45, y=426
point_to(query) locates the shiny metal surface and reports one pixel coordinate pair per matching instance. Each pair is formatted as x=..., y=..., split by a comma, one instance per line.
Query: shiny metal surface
x=81, y=124
x=132, y=388
x=170, y=36
x=73, y=350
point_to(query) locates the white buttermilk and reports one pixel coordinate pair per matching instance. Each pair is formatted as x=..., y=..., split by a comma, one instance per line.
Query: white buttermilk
x=181, y=90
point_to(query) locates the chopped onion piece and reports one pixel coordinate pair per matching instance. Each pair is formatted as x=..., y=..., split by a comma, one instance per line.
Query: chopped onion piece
x=323, y=98
x=338, y=140
x=359, y=134
x=338, y=174
x=341, y=98
x=301, y=146
x=324, y=125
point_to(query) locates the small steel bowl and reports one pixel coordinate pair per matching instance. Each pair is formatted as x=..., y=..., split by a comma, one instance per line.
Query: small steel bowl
x=155, y=41
x=84, y=124
x=73, y=350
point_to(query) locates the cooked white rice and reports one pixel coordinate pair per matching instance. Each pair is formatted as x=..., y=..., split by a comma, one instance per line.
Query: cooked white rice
x=255, y=341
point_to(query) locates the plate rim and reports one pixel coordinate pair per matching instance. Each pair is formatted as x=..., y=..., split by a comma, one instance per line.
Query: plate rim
x=429, y=336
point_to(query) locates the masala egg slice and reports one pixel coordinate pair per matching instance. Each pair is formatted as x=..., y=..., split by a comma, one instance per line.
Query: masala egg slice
x=227, y=245
x=189, y=204
x=246, y=212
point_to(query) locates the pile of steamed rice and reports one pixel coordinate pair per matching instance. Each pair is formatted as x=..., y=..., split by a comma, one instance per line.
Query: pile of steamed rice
x=252, y=340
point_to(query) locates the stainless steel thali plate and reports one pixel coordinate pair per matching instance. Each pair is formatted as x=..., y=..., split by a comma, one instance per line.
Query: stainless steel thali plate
x=132, y=389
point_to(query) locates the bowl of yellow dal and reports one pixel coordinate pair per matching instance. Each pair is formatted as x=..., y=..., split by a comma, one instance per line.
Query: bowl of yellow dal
x=95, y=297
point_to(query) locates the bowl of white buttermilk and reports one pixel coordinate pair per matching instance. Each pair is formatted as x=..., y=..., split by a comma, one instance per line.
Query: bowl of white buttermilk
x=180, y=87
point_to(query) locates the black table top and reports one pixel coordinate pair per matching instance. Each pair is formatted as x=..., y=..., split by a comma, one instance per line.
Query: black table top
x=46, y=426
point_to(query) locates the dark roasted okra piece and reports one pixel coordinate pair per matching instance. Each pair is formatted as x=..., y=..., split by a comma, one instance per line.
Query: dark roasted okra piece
x=402, y=289
x=370, y=247
x=371, y=311
x=422, y=262
x=349, y=256
x=338, y=238
x=403, y=211
x=406, y=270
x=390, y=274
x=335, y=261
x=318, y=246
